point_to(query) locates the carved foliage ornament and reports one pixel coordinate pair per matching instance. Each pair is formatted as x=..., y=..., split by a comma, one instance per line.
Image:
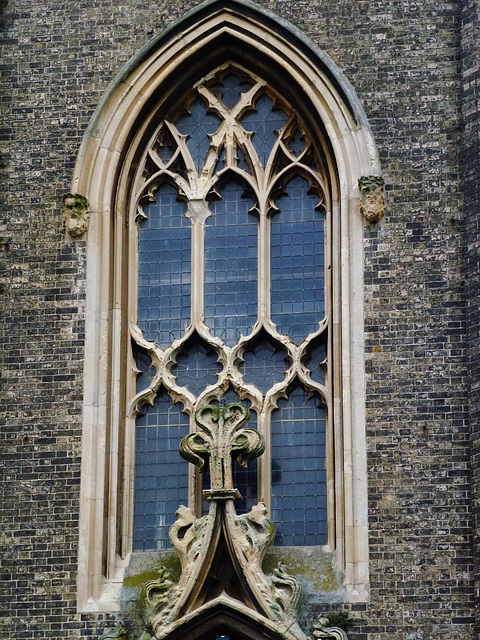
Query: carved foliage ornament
x=372, y=198
x=222, y=553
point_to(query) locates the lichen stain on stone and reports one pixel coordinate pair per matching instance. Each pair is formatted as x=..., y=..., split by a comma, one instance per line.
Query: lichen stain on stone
x=137, y=581
x=316, y=571
x=166, y=559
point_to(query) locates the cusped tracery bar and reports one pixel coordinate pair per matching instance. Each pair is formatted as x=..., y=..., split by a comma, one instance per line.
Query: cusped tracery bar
x=231, y=215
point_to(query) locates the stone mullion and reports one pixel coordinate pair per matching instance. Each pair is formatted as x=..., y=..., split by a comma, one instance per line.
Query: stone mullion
x=264, y=288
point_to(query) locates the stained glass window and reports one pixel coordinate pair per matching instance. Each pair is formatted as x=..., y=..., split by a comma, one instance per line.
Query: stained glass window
x=231, y=216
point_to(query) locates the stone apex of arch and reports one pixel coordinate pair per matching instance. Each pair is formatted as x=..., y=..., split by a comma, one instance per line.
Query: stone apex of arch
x=292, y=36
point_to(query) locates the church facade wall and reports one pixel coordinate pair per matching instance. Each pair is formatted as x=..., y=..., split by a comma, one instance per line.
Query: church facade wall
x=415, y=70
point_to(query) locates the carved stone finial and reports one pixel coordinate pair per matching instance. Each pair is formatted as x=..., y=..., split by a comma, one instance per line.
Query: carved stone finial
x=118, y=631
x=322, y=630
x=222, y=438
x=372, y=197
x=76, y=211
x=221, y=553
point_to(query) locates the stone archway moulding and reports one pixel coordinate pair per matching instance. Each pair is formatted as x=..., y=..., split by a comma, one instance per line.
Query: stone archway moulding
x=105, y=510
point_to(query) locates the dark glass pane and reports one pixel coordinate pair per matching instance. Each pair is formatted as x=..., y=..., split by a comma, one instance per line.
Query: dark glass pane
x=315, y=360
x=196, y=368
x=231, y=265
x=264, y=121
x=198, y=125
x=264, y=365
x=296, y=144
x=298, y=287
x=299, y=484
x=144, y=365
x=230, y=90
x=164, y=265
x=244, y=478
x=161, y=474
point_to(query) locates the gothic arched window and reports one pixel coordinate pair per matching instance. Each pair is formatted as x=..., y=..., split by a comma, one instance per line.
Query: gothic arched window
x=224, y=263
x=231, y=215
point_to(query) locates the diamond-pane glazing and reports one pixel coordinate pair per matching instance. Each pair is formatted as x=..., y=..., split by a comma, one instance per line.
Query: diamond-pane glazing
x=231, y=265
x=264, y=366
x=164, y=265
x=299, y=484
x=297, y=253
x=196, y=368
x=161, y=474
x=198, y=125
x=264, y=121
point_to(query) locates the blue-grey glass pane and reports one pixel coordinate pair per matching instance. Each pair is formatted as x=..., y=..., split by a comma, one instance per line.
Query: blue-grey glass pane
x=296, y=144
x=231, y=265
x=145, y=368
x=264, y=121
x=165, y=146
x=164, y=265
x=298, y=280
x=315, y=361
x=161, y=474
x=299, y=483
x=198, y=124
x=264, y=366
x=244, y=478
x=196, y=368
x=230, y=90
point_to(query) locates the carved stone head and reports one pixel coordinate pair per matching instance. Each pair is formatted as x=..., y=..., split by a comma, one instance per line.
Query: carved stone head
x=77, y=214
x=372, y=198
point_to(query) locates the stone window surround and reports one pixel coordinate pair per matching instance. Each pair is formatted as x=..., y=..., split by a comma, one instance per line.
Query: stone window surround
x=107, y=461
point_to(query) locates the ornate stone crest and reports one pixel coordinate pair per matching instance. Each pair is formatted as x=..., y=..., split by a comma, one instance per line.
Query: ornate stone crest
x=221, y=553
x=372, y=197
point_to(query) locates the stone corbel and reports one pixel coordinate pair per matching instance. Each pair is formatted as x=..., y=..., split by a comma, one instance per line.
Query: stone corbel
x=76, y=212
x=372, y=197
x=323, y=630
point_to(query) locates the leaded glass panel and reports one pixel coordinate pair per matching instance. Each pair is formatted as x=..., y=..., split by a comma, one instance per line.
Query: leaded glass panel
x=232, y=216
x=161, y=475
x=299, y=484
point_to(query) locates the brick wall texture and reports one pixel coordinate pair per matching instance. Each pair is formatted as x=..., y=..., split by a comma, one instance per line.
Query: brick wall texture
x=415, y=67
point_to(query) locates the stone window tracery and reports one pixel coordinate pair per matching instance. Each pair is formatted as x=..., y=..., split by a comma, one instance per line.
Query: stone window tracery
x=231, y=296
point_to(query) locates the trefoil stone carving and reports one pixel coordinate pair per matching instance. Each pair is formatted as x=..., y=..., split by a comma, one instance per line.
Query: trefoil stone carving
x=222, y=553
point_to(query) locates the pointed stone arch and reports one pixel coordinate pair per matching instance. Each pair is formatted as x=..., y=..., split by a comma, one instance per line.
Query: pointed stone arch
x=153, y=79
